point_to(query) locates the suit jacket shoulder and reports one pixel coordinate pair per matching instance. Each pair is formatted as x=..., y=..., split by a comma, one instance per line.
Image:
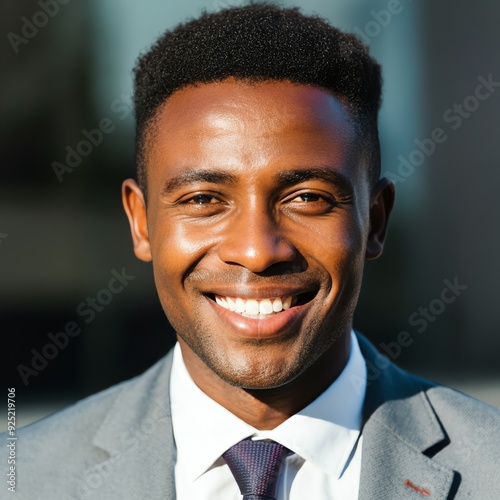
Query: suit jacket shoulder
x=419, y=440
x=422, y=439
x=103, y=446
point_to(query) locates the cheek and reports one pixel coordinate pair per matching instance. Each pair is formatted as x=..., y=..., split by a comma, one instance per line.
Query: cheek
x=351, y=246
x=176, y=249
x=349, y=267
x=340, y=253
x=352, y=258
x=336, y=245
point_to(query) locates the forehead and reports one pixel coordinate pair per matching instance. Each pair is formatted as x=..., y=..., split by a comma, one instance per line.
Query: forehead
x=242, y=122
x=266, y=102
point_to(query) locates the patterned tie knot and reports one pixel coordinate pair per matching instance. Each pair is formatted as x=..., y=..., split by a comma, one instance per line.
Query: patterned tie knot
x=256, y=466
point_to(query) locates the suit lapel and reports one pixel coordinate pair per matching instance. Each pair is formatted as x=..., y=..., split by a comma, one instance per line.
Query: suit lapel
x=137, y=436
x=400, y=434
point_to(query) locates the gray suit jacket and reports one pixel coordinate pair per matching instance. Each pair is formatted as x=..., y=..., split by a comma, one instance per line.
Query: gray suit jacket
x=419, y=441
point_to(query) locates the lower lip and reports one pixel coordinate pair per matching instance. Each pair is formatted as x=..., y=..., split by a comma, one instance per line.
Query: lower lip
x=268, y=328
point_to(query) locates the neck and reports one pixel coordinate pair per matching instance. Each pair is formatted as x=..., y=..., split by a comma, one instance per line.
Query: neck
x=265, y=409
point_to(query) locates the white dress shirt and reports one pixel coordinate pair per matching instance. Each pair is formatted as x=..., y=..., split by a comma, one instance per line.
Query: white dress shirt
x=324, y=436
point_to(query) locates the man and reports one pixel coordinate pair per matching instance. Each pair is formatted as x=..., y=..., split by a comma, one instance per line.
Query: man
x=258, y=201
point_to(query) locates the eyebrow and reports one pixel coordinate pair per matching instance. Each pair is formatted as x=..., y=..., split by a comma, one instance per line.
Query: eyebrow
x=190, y=176
x=291, y=177
x=284, y=178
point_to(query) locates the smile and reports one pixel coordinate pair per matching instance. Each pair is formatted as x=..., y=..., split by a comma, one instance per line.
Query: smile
x=255, y=308
x=261, y=308
x=262, y=314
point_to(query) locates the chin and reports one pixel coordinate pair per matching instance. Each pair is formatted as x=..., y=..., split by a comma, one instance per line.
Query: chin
x=260, y=374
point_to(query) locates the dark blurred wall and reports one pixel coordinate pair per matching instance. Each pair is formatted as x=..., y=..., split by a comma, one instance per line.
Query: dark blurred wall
x=66, y=231
x=461, y=230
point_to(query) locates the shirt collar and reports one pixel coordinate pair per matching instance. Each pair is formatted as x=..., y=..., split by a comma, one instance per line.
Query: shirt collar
x=324, y=433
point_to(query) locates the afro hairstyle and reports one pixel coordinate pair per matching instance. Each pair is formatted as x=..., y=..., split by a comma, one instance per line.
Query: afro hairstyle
x=259, y=42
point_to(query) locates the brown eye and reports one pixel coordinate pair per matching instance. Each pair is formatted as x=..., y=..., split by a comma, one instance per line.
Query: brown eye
x=308, y=197
x=310, y=203
x=201, y=199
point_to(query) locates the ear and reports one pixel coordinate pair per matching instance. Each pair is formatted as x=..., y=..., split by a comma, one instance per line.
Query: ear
x=382, y=201
x=135, y=208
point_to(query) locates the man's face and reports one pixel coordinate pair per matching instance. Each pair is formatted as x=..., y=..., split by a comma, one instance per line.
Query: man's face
x=258, y=223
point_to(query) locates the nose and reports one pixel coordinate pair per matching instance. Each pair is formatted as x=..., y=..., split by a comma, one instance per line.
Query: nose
x=254, y=240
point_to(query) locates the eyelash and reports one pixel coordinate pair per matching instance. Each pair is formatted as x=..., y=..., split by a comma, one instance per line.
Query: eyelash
x=191, y=201
x=208, y=204
x=313, y=195
x=317, y=198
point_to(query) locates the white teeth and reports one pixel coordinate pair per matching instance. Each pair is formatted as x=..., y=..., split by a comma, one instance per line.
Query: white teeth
x=252, y=307
x=265, y=307
x=231, y=304
x=255, y=308
x=240, y=305
x=277, y=305
x=222, y=302
x=287, y=303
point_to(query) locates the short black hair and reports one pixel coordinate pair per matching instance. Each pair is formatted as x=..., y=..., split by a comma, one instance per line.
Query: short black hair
x=260, y=42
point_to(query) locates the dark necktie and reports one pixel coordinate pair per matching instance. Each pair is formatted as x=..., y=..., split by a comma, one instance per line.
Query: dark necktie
x=256, y=466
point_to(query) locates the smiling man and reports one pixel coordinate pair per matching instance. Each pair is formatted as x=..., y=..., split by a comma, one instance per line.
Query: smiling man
x=259, y=214
x=258, y=201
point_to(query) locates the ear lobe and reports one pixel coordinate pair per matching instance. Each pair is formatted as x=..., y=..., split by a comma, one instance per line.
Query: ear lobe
x=135, y=208
x=380, y=208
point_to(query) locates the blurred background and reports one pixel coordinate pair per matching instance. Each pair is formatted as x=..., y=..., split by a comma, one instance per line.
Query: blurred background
x=429, y=302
